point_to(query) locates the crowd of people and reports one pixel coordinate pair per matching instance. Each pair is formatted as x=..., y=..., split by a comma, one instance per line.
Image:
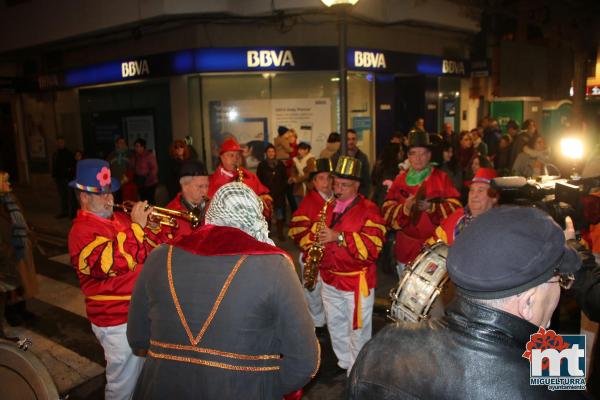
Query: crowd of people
x=217, y=310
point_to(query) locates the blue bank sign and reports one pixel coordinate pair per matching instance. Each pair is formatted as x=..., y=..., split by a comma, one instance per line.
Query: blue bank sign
x=241, y=59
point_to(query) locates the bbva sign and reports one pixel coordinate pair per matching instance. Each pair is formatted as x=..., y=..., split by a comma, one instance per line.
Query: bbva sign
x=453, y=67
x=369, y=59
x=269, y=58
x=135, y=68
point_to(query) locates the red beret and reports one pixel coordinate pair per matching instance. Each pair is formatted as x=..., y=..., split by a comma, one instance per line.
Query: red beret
x=483, y=175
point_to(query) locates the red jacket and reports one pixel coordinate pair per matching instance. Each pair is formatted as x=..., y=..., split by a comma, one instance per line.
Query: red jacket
x=184, y=227
x=221, y=177
x=410, y=237
x=108, y=256
x=303, y=219
x=351, y=266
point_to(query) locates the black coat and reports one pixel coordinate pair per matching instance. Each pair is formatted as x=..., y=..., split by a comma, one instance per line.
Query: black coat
x=275, y=179
x=474, y=352
x=63, y=164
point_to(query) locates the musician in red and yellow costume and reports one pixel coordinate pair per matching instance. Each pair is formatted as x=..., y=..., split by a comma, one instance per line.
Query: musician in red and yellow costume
x=353, y=236
x=107, y=250
x=418, y=200
x=303, y=227
x=230, y=170
x=193, y=179
x=482, y=197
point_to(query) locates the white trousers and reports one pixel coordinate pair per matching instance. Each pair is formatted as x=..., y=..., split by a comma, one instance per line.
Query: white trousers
x=122, y=367
x=313, y=299
x=339, y=310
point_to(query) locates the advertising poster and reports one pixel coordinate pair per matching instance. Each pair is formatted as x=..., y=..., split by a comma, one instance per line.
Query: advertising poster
x=254, y=122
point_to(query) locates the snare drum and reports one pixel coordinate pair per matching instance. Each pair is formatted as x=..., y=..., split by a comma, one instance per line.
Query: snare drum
x=420, y=285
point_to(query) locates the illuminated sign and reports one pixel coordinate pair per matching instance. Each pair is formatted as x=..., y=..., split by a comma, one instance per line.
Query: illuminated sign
x=368, y=59
x=269, y=58
x=453, y=67
x=134, y=68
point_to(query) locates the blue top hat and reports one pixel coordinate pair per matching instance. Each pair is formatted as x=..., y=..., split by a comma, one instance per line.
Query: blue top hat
x=93, y=175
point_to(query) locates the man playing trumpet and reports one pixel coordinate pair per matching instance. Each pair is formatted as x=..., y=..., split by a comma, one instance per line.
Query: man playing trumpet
x=107, y=250
x=231, y=170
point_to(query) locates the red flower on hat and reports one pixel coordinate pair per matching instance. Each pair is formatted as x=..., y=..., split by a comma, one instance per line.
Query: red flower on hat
x=542, y=340
x=103, y=176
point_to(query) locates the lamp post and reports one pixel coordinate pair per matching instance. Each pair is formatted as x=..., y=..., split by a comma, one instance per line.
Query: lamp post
x=342, y=7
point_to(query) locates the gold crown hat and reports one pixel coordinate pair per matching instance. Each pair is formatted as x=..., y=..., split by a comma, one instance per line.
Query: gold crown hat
x=348, y=167
x=321, y=165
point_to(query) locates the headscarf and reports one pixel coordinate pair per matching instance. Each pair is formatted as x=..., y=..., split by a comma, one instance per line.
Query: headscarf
x=236, y=205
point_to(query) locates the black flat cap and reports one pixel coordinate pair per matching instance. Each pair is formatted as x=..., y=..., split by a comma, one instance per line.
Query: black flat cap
x=508, y=250
x=192, y=168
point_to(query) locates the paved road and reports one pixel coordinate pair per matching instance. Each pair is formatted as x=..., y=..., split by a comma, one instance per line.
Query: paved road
x=63, y=340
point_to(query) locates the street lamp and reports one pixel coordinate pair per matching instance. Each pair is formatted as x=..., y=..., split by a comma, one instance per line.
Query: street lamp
x=342, y=7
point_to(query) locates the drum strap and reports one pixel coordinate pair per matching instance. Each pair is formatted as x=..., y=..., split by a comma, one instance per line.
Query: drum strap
x=361, y=291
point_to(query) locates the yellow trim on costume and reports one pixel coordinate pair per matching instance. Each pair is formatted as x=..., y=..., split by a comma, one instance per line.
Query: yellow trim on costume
x=138, y=232
x=444, y=213
x=305, y=241
x=211, y=363
x=106, y=258
x=372, y=224
x=204, y=350
x=363, y=290
x=375, y=239
x=106, y=297
x=215, y=308
x=121, y=237
x=151, y=242
x=363, y=253
x=388, y=209
x=299, y=218
x=297, y=230
x=318, y=360
x=441, y=234
x=84, y=267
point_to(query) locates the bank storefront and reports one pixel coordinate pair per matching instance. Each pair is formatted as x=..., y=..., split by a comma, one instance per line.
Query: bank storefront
x=246, y=93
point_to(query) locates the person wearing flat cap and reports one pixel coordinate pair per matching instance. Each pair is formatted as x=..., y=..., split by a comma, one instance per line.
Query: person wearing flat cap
x=107, y=250
x=352, y=236
x=418, y=200
x=193, y=180
x=482, y=197
x=220, y=314
x=508, y=267
x=303, y=226
x=230, y=170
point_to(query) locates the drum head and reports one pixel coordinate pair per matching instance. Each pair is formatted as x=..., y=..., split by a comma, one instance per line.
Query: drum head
x=23, y=375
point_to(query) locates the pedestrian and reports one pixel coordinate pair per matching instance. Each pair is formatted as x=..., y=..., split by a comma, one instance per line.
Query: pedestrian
x=508, y=267
x=352, y=236
x=107, y=251
x=303, y=165
x=271, y=172
x=145, y=170
x=354, y=152
x=178, y=154
x=221, y=314
x=332, y=145
x=63, y=169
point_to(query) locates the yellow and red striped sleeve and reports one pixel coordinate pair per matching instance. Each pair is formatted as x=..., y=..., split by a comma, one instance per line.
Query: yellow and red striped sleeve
x=366, y=244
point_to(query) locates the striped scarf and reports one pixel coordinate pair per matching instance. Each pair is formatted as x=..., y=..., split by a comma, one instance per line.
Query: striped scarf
x=19, y=227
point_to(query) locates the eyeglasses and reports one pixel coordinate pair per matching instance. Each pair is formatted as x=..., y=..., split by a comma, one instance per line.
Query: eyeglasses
x=343, y=184
x=565, y=281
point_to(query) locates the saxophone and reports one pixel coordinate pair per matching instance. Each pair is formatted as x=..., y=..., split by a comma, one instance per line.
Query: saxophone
x=240, y=174
x=315, y=253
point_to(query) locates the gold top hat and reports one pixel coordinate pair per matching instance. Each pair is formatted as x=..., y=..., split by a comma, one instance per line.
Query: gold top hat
x=348, y=168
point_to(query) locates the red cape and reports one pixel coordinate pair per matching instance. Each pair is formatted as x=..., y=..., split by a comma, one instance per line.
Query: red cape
x=212, y=240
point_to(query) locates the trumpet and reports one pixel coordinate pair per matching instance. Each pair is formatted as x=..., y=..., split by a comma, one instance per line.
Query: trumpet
x=164, y=216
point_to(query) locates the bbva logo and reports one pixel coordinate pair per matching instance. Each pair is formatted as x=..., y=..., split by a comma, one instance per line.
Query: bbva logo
x=135, y=68
x=453, y=67
x=368, y=59
x=269, y=58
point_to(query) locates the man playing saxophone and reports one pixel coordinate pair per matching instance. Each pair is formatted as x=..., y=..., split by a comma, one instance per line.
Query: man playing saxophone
x=231, y=170
x=303, y=227
x=353, y=237
x=107, y=250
